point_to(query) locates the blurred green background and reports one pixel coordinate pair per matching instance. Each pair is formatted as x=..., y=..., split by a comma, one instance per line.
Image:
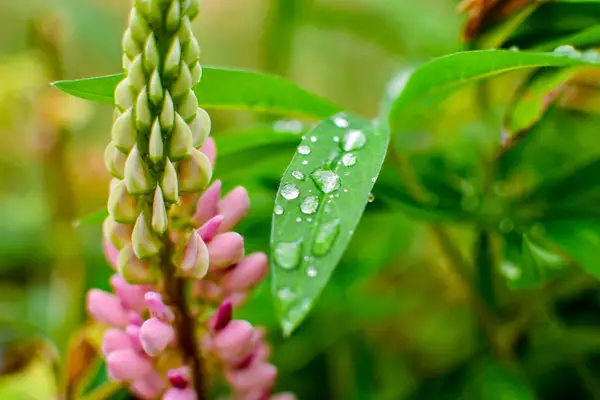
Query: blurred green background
x=398, y=320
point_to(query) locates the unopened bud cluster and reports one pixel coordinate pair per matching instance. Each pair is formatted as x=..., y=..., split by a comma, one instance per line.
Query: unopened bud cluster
x=158, y=129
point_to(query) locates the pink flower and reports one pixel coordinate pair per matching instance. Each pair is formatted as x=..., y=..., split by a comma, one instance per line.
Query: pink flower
x=155, y=336
x=127, y=365
x=106, y=308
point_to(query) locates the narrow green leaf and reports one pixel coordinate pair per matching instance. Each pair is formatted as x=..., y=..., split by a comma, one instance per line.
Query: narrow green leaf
x=580, y=239
x=322, y=196
x=223, y=89
x=438, y=78
x=588, y=37
x=95, y=218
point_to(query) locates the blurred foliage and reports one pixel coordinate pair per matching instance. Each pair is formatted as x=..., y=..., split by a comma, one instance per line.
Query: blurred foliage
x=473, y=274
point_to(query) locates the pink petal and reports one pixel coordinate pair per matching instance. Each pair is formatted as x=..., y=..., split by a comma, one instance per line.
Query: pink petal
x=226, y=249
x=180, y=394
x=133, y=331
x=223, y=315
x=210, y=228
x=115, y=339
x=106, y=308
x=127, y=365
x=132, y=296
x=209, y=148
x=234, y=341
x=155, y=336
x=179, y=377
x=247, y=273
x=111, y=253
x=234, y=207
x=149, y=387
x=259, y=375
x=208, y=205
x=157, y=307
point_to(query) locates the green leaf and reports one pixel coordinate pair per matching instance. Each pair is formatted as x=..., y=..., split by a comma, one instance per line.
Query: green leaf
x=95, y=218
x=224, y=89
x=533, y=99
x=438, y=78
x=589, y=37
x=322, y=196
x=579, y=238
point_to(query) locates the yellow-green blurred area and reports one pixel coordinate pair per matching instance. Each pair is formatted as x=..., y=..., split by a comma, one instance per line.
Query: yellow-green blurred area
x=400, y=319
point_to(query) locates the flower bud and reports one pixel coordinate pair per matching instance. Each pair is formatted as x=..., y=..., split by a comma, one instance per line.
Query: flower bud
x=127, y=365
x=208, y=231
x=134, y=270
x=208, y=205
x=114, y=339
x=143, y=6
x=185, y=32
x=137, y=176
x=133, y=331
x=106, y=308
x=180, y=394
x=193, y=9
x=200, y=127
x=250, y=271
x=223, y=316
x=155, y=336
x=187, y=106
x=130, y=45
x=155, y=145
x=259, y=375
x=145, y=244
x=173, y=16
x=117, y=234
x=173, y=59
x=111, y=253
x=151, y=54
x=194, y=262
x=131, y=296
x=149, y=387
x=123, y=132
x=155, y=91
x=123, y=96
x=181, y=140
x=143, y=115
x=114, y=161
x=226, y=249
x=157, y=307
x=160, y=219
x=195, y=172
x=234, y=207
x=136, y=75
x=138, y=26
x=179, y=377
x=155, y=13
x=169, y=183
x=191, y=51
x=183, y=83
x=196, y=73
x=122, y=206
x=234, y=340
x=125, y=62
x=167, y=115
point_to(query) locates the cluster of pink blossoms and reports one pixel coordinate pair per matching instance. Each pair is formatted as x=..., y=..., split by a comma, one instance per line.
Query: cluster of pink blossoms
x=141, y=346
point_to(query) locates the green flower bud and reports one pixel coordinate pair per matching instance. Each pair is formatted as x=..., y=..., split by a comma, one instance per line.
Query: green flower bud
x=143, y=6
x=119, y=235
x=191, y=51
x=193, y=9
x=138, y=26
x=155, y=89
x=123, y=96
x=195, y=172
x=173, y=59
x=183, y=82
x=143, y=115
x=144, y=243
x=185, y=29
x=137, y=177
x=181, y=140
x=196, y=73
x=130, y=45
x=167, y=115
x=114, y=160
x=155, y=146
x=188, y=106
x=137, y=77
x=151, y=54
x=155, y=12
x=122, y=206
x=200, y=128
x=193, y=261
x=134, y=270
x=173, y=16
x=160, y=219
x=126, y=63
x=123, y=132
x=169, y=184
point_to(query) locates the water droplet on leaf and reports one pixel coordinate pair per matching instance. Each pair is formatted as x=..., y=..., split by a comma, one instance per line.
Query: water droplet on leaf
x=311, y=272
x=510, y=271
x=305, y=162
x=326, y=180
x=286, y=293
x=326, y=237
x=278, y=210
x=371, y=198
x=304, y=149
x=349, y=159
x=309, y=204
x=289, y=191
x=340, y=122
x=313, y=139
x=353, y=140
x=298, y=175
x=287, y=254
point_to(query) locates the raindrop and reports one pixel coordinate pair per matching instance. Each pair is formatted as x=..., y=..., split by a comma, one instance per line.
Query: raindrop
x=309, y=204
x=287, y=254
x=305, y=162
x=345, y=190
x=278, y=210
x=298, y=219
x=374, y=179
x=311, y=272
x=340, y=122
x=567, y=51
x=326, y=180
x=371, y=198
x=353, y=140
x=511, y=271
x=298, y=175
x=303, y=149
x=349, y=159
x=290, y=191
x=326, y=237
x=286, y=293
x=292, y=126
x=336, y=139
x=309, y=219
x=313, y=139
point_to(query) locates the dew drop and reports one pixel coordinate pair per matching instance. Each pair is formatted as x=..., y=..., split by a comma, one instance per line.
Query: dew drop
x=287, y=254
x=298, y=175
x=309, y=204
x=510, y=271
x=340, y=122
x=305, y=162
x=278, y=210
x=371, y=198
x=349, y=159
x=567, y=51
x=313, y=139
x=326, y=237
x=289, y=191
x=311, y=272
x=286, y=293
x=374, y=179
x=353, y=140
x=298, y=219
x=304, y=149
x=326, y=180
x=309, y=219
x=345, y=190
x=336, y=139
